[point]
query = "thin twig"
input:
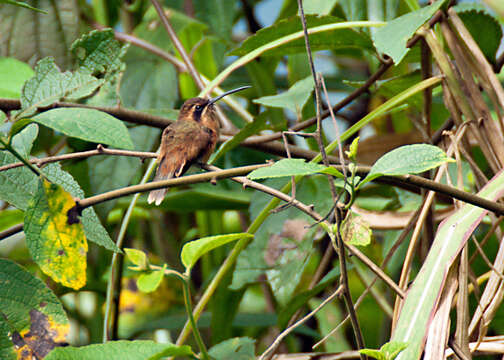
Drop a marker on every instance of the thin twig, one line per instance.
(100, 150)
(178, 45)
(287, 331)
(132, 116)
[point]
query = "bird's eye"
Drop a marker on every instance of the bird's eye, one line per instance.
(198, 107)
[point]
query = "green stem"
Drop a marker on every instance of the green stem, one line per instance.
(243, 243)
(119, 242)
(188, 306)
(13, 151)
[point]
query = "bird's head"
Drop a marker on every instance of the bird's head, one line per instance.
(202, 110)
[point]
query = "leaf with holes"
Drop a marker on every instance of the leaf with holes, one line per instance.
(50, 85)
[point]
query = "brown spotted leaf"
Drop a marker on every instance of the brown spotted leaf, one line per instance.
(32, 320)
(58, 247)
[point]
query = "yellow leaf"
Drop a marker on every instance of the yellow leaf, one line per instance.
(58, 247)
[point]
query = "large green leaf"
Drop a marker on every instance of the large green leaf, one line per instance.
(31, 316)
(123, 349)
(327, 32)
(49, 85)
(19, 185)
(87, 124)
(13, 73)
(293, 99)
(423, 295)
(30, 36)
(392, 38)
(408, 159)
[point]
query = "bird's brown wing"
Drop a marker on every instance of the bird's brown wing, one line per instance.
(182, 144)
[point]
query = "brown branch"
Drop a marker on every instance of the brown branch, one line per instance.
(132, 116)
(127, 38)
(11, 231)
(184, 180)
(100, 150)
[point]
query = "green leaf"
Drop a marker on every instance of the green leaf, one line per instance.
(218, 14)
(355, 230)
(290, 167)
(30, 315)
(123, 349)
(93, 228)
(29, 36)
(87, 124)
(149, 282)
(387, 107)
(13, 73)
(264, 84)
(98, 52)
(257, 258)
(293, 99)
(193, 250)
(23, 141)
(392, 38)
(388, 351)
(17, 185)
(318, 7)
(326, 32)
(57, 246)
(149, 83)
(408, 159)
(49, 85)
(22, 4)
(138, 258)
(241, 348)
(423, 294)
(478, 20)
(287, 255)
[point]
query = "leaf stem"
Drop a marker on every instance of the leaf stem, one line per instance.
(13, 151)
(194, 326)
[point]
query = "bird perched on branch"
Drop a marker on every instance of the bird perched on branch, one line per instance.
(189, 140)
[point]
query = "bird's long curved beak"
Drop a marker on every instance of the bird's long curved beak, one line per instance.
(217, 98)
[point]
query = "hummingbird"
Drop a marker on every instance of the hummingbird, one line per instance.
(189, 140)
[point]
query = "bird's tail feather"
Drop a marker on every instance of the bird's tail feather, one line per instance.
(158, 195)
